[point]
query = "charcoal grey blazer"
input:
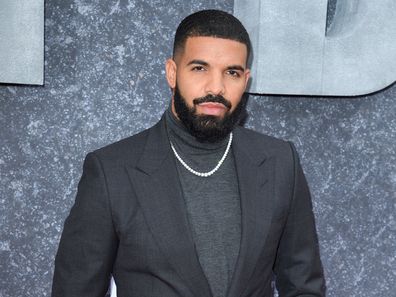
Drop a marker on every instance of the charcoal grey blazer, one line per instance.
(129, 220)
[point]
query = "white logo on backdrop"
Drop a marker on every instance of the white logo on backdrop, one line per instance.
(294, 53)
(22, 41)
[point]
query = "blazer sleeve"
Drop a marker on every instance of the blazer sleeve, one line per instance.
(298, 268)
(88, 244)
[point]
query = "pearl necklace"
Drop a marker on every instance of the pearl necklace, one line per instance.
(203, 174)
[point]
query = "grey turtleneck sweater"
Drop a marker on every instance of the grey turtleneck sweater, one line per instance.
(213, 203)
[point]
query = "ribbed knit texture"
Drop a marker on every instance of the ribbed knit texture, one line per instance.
(213, 204)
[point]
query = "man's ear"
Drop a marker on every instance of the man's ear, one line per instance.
(170, 69)
(247, 77)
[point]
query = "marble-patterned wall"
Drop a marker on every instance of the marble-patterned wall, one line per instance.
(104, 80)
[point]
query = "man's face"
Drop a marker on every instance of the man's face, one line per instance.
(210, 77)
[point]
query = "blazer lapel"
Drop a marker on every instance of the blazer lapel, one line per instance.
(159, 192)
(255, 177)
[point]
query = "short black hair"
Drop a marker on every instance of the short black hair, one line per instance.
(211, 23)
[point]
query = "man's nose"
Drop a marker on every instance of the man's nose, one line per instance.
(215, 84)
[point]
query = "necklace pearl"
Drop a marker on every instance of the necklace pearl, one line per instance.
(203, 174)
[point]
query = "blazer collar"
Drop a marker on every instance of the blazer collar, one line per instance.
(158, 148)
(255, 171)
(247, 146)
(158, 190)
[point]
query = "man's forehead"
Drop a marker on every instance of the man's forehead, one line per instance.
(204, 47)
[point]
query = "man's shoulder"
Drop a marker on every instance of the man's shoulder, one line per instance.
(258, 146)
(261, 140)
(128, 148)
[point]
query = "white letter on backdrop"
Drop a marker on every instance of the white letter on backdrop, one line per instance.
(293, 54)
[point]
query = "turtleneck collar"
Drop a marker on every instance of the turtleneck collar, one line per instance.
(180, 136)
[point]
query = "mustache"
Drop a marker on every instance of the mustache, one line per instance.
(214, 99)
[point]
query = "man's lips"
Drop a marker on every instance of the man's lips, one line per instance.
(212, 108)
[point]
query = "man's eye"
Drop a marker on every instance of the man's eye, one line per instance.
(233, 73)
(198, 68)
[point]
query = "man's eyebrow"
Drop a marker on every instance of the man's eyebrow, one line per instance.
(203, 63)
(199, 62)
(236, 67)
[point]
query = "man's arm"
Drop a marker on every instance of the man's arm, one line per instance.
(298, 267)
(88, 244)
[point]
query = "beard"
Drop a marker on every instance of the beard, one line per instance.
(209, 128)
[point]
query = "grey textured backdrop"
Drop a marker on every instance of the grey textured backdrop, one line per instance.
(104, 80)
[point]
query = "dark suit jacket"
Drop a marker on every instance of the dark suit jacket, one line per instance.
(129, 220)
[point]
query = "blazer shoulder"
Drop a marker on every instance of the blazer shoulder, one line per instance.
(270, 144)
(126, 150)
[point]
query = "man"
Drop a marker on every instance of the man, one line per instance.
(196, 205)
